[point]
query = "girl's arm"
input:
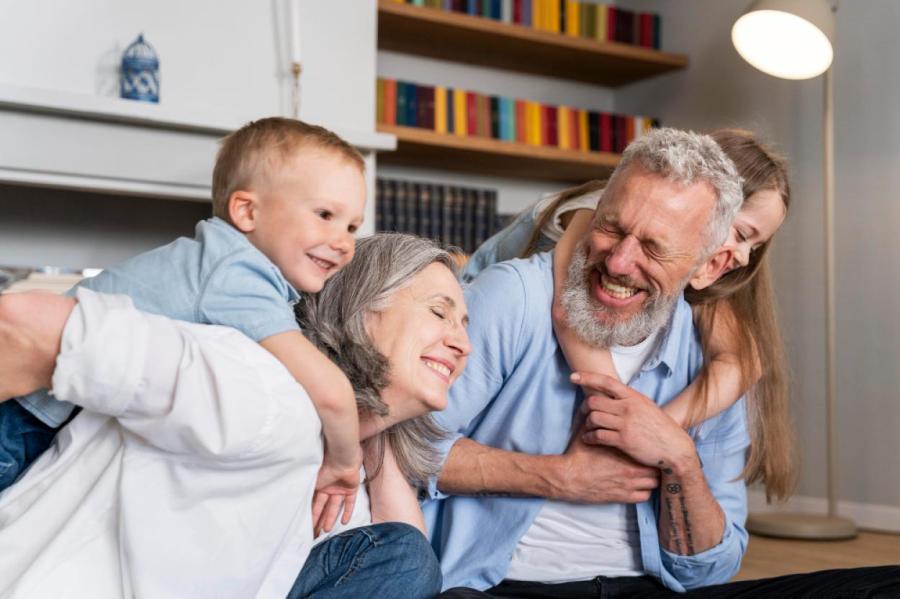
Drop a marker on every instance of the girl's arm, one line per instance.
(580, 356)
(724, 373)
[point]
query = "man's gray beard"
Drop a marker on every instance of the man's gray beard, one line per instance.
(582, 309)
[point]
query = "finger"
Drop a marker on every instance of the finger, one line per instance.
(605, 420)
(602, 403)
(602, 436)
(602, 383)
(592, 402)
(332, 510)
(318, 504)
(349, 503)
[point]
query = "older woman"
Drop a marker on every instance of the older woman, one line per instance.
(190, 470)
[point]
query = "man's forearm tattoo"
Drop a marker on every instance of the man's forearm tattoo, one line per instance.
(687, 526)
(673, 534)
(674, 524)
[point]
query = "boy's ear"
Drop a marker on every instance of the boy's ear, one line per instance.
(710, 271)
(243, 208)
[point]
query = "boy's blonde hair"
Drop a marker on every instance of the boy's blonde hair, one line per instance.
(253, 151)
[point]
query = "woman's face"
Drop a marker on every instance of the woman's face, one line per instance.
(423, 335)
(759, 219)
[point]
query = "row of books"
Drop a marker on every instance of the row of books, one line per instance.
(456, 216)
(466, 113)
(578, 18)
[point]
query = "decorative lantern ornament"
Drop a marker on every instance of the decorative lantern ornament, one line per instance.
(140, 72)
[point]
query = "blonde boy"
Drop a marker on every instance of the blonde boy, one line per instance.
(287, 200)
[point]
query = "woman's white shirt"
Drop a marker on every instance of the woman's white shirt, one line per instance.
(189, 473)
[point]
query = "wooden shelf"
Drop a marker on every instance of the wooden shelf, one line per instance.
(476, 40)
(426, 148)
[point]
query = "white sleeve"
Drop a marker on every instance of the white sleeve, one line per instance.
(186, 388)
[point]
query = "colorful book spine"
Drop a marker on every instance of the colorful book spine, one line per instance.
(452, 111)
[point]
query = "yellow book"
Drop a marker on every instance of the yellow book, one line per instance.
(440, 109)
(460, 121)
(601, 23)
(583, 142)
(533, 130)
(553, 16)
(563, 114)
(537, 14)
(573, 17)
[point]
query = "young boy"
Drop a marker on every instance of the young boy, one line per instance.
(287, 200)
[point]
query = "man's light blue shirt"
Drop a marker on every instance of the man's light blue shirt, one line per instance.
(218, 277)
(515, 395)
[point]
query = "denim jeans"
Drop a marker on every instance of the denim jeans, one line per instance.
(22, 439)
(881, 582)
(380, 561)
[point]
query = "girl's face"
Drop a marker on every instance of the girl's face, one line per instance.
(759, 219)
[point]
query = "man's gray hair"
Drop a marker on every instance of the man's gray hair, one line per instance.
(687, 157)
(335, 320)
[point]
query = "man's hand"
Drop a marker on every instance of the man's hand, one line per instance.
(593, 474)
(618, 416)
(31, 326)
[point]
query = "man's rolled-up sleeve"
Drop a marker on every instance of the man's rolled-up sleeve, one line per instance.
(722, 452)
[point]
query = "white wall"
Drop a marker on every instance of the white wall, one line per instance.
(719, 89)
(225, 60)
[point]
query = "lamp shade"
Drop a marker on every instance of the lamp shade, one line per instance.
(790, 39)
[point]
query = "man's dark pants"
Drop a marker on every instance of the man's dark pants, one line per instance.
(882, 582)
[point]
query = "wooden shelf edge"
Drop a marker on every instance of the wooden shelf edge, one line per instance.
(410, 28)
(426, 148)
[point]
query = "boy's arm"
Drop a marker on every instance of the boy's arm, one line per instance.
(726, 379)
(332, 396)
(579, 355)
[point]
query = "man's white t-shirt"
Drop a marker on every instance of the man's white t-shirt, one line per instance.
(576, 541)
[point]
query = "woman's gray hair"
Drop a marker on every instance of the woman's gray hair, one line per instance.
(687, 157)
(335, 320)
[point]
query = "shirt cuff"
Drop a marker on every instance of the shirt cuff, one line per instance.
(715, 565)
(442, 448)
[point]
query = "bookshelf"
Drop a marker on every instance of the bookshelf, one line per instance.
(482, 155)
(425, 31)
(474, 40)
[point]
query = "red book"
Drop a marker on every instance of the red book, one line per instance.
(606, 132)
(521, 135)
(517, 11)
(472, 113)
(622, 133)
(611, 24)
(484, 115)
(646, 37)
(552, 115)
(390, 101)
(425, 106)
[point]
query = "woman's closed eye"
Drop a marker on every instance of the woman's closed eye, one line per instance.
(439, 313)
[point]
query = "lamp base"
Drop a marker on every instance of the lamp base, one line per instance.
(802, 526)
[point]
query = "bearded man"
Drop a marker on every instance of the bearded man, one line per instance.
(512, 502)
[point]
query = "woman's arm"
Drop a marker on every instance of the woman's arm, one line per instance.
(391, 497)
(725, 377)
(579, 355)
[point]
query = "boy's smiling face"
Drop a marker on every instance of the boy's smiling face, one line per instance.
(305, 215)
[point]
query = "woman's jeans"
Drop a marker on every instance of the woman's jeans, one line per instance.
(381, 561)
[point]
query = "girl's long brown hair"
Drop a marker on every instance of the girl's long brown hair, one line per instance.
(745, 302)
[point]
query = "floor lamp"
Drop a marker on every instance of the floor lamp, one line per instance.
(792, 39)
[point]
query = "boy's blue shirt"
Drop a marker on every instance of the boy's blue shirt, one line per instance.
(218, 277)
